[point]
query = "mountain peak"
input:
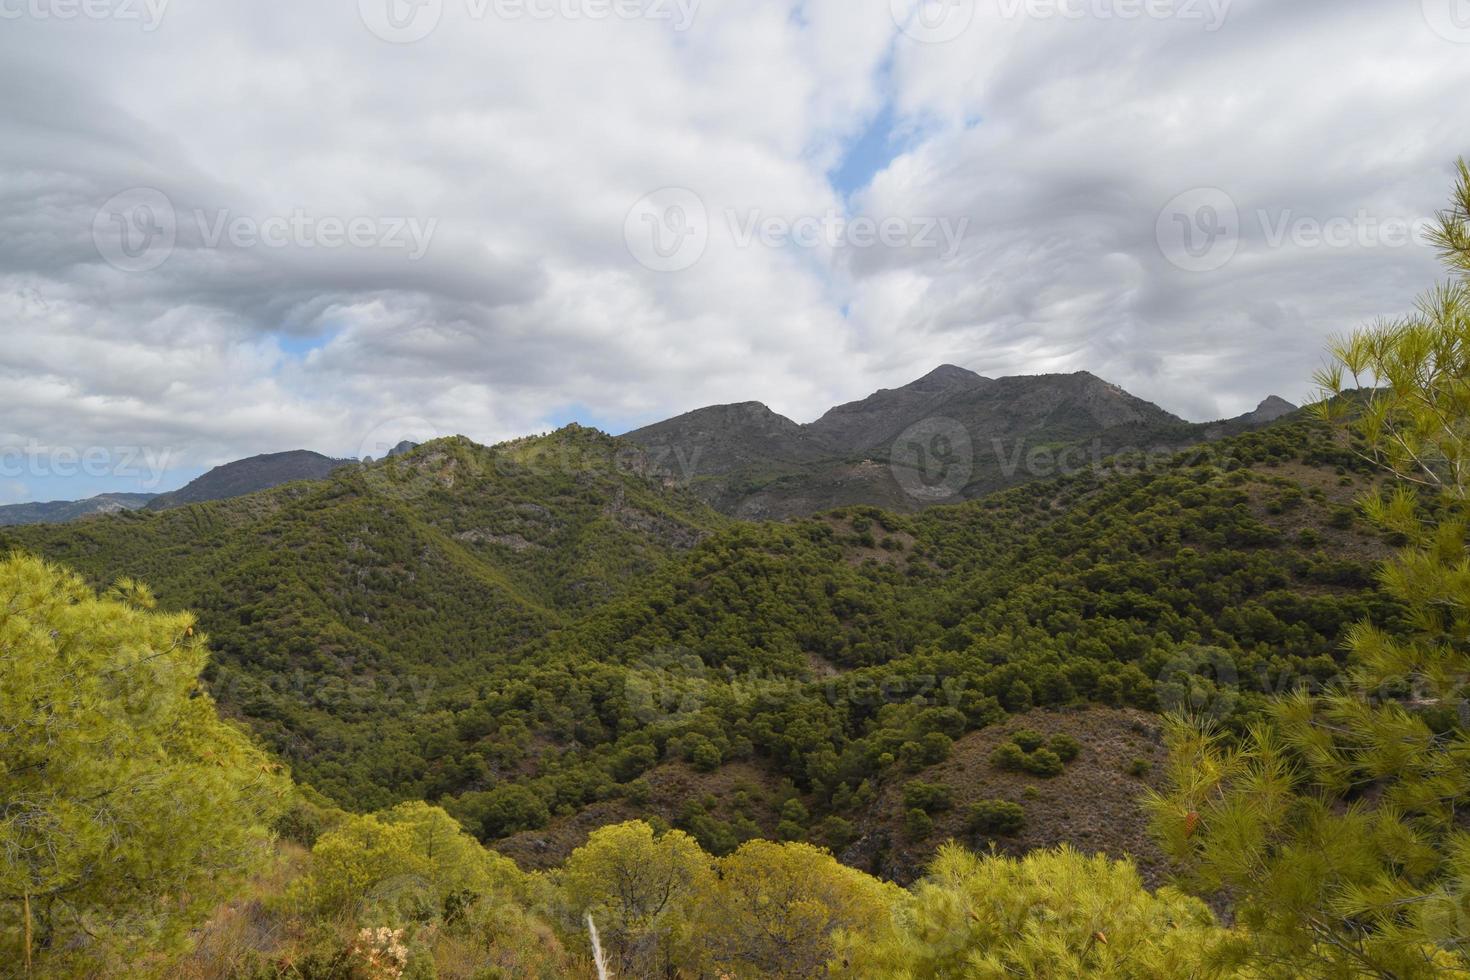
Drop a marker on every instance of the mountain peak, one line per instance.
(948, 376)
(728, 437)
(871, 421)
(1273, 408)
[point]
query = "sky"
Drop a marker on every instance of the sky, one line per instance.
(235, 228)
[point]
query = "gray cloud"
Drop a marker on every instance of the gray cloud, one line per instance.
(524, 144)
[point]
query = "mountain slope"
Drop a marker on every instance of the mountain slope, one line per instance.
(851, 651)
(724, 439)
(347, 613)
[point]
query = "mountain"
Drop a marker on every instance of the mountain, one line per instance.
(352, 616)
(858, 650)
(750, 462)
(951, 435)
(221, 483)
(249, 475)
(1273, 408)
(60, 511)
(726, 439)
(879, 418)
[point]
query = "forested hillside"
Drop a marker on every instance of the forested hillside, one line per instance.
(846, 652)
(527, 631)
(863, 682)
(350, 617)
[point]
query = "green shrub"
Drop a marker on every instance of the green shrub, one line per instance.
(1066, 747)
(1028, 740)
(996, 817)
(1044, 763)
(929, 797)
(936, 747)
(837, 833)
(1009, 757)
(918, 825)
(703, 754)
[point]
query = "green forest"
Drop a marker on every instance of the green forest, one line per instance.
(530, 711)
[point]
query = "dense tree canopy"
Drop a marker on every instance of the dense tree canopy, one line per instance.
(125, 803)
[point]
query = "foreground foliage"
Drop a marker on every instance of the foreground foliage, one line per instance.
(1049, 914)
(1337, 826)
(662, 907)
(125, 803)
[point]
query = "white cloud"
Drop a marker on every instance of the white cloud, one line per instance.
(528, 141)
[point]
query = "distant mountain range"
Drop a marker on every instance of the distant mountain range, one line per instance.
(221, 483)
(62, 511)
(951, 435)
(249, 475)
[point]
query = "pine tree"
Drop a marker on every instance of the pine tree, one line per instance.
(126, 805)
(1338, 825)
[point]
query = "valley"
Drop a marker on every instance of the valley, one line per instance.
(530, 634)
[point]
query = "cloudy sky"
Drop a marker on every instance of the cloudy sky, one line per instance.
(230, 228)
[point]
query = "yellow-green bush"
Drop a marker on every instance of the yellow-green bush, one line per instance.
(1049, 914)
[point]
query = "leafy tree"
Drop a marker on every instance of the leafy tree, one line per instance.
(411, 861)
(1337, 824)
(504, 810)
(126, 805)
(637, 887)
(1049, 914)
(777, 910)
